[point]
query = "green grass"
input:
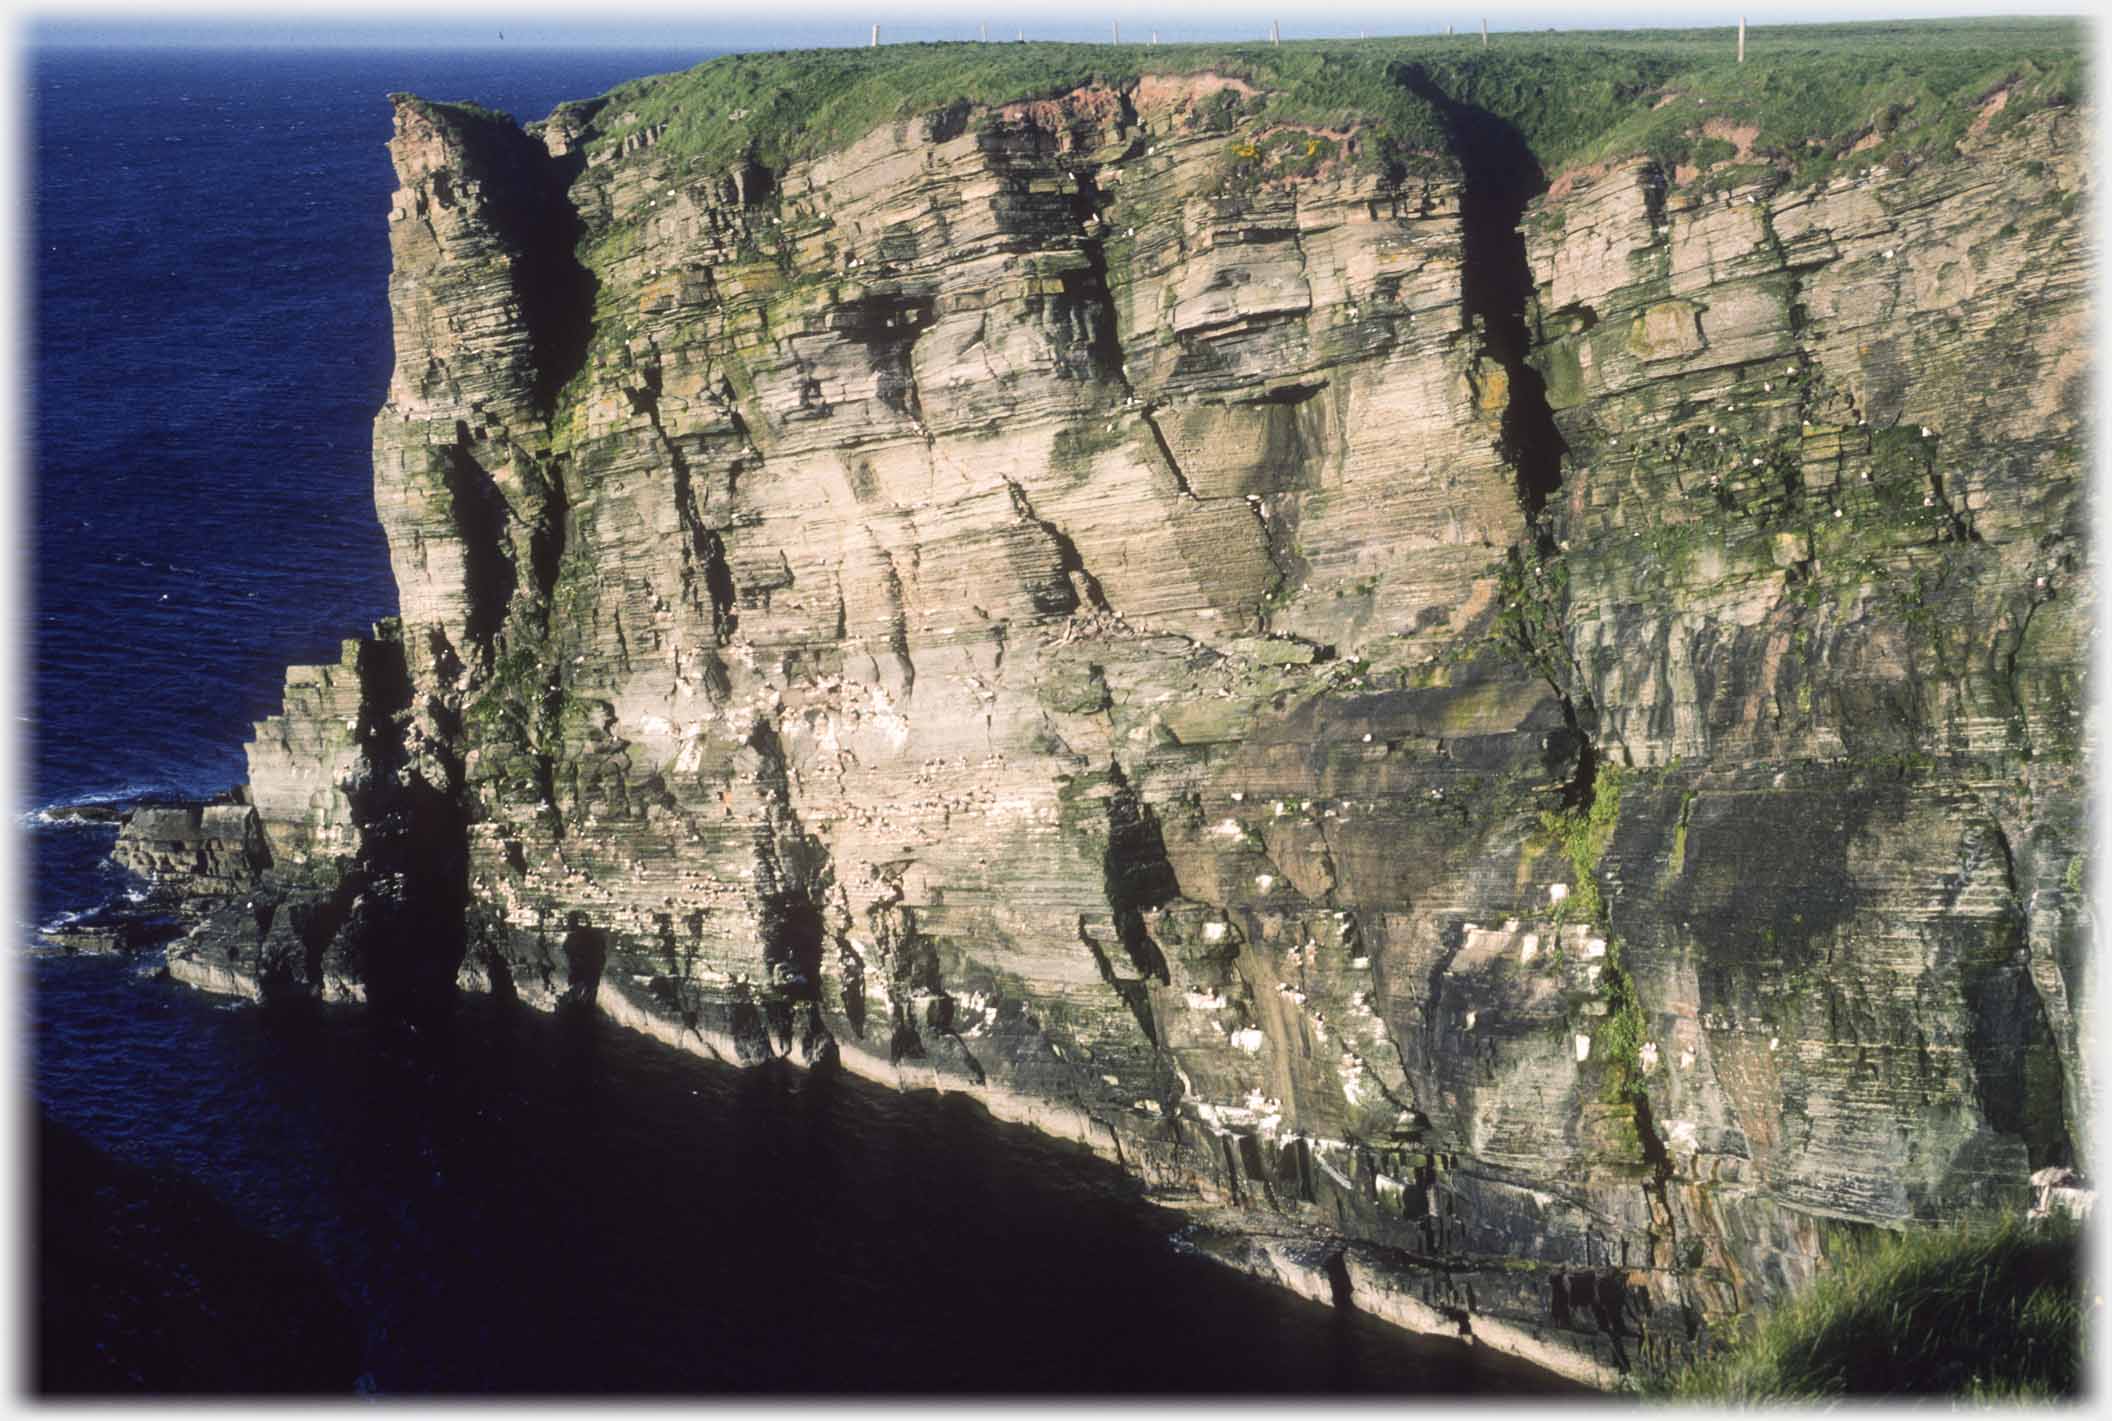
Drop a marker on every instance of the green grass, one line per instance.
(1813, 91)
(1618, 1042)
(777, 108)
(1990, 1311)
(1810, 90)
(464, 108)
(1583, 835)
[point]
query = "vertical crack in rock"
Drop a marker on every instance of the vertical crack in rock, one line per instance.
(1133, 991)
(1501, 175)
(1138, 875)
(516, 198)
(1451, 940)
(704, 549)
(1279, 589)
(921, 1008)
(401, 907)
(2017, 1069)
(852, 967)
(479, 512)
(1091, 292)
(1409, 1110)
(792, 879)
(1296, 442)
(1276, 510)
(527, 205)
(898, 616)
(2011, 682)
(1079, 584)
(548, 536)
(556, 292)
(1173, 465)
(681, 960)
(888, 325)
(586, 953)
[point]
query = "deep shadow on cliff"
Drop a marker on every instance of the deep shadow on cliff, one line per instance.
(1500, 176)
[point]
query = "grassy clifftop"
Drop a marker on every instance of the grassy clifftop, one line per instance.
(1810, 92)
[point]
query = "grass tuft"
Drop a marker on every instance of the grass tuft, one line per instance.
(1582, 835)
(1988, 1311)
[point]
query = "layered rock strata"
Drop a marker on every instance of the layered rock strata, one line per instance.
(193, 850)
(1045, 603)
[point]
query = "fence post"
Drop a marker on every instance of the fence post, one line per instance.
(1275, 37)
(1741, 39)
(876, 37)
(1118, 32)
(1484, 34)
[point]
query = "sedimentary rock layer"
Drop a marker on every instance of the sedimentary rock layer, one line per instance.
(1521, 814)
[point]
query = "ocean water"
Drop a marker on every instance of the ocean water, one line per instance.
(209, 341)
(506, 1202)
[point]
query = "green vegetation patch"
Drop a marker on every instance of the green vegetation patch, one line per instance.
(1582, 835)
(1991, 1310)
(1809, 92)
(1813, 98)
(1618, 1042)
(773, 109)
(1531, 593)
(464, 109)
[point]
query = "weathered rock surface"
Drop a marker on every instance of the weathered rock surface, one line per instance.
(1039, 604)
(193, 850)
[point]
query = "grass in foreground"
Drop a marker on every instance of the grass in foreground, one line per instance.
(1992, 1311)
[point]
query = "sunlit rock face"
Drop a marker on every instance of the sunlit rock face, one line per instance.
(1041, 603)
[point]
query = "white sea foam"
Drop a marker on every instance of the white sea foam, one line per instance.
(123, 797)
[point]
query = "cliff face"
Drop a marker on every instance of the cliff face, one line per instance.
(1516, 780)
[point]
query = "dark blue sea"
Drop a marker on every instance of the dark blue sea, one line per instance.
(227, 1199)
